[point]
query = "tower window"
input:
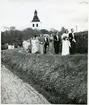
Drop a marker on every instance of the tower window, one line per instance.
(36, 25)
(33, 25)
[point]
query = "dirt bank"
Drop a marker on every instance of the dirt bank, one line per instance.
(15, 91)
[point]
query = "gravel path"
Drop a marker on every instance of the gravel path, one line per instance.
(15, 91)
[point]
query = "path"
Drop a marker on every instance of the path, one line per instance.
(15, 91)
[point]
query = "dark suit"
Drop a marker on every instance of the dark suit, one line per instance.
(73, 44)
(56, 44)
(46, 44)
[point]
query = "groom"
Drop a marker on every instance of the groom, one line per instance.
(72, 42)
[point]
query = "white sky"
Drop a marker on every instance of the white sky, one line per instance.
(52, 13)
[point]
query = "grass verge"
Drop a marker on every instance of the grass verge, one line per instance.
(61, 79)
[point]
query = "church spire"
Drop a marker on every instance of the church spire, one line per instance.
(35, 13)
(35, 18)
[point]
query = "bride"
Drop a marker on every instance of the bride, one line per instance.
(34, 45)
(65, 43)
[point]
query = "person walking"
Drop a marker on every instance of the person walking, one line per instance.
(46, 44)
(65, 43)
(56, 43)
(51, 44)
(37, 44)
(41, 44)
(34, 45)
(25, 45)
(72, 40)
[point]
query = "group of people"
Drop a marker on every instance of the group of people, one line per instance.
(51, 44)
(68, 42)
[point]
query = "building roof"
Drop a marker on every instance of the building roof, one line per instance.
(35, 18)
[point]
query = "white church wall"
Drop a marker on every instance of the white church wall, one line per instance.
(35, 25)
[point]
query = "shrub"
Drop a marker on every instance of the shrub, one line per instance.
(82, 42)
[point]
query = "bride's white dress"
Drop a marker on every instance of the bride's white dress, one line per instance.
(65, 44)
(34, 46)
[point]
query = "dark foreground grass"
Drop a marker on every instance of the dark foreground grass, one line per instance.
(61, 79)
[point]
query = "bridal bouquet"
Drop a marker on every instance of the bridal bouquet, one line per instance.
(65, 38)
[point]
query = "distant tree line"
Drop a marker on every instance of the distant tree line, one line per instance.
(13, 36)
(16, 37)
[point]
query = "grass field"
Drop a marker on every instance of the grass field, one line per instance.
(61, 79)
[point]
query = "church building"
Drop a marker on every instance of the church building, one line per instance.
(35, 23)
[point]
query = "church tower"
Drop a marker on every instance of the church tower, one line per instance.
(35, 23)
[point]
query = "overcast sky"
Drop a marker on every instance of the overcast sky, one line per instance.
(52, 13)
